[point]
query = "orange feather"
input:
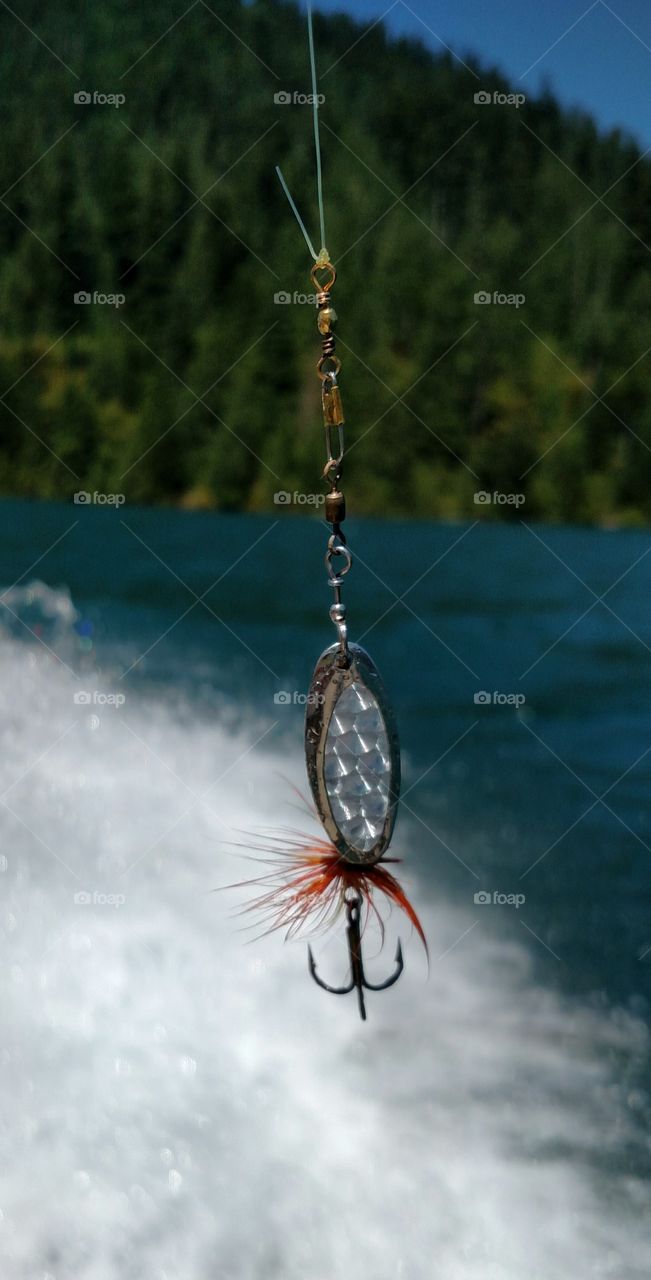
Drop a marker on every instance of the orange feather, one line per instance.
(304, 891)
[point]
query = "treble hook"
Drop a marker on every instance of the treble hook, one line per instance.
(358, 979)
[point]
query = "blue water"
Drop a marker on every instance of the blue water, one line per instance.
(496, 605)
(533, 1021)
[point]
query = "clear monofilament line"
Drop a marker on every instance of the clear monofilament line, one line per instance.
(315, 117)
(323, 256)
(296, 214)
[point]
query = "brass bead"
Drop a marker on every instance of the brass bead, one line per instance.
(335, 507)
(326, 318)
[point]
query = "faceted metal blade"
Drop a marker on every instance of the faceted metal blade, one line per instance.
(357, 767)
(352, 753)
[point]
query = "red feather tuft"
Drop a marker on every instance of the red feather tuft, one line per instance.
(305, 889)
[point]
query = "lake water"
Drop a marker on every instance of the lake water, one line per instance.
(179, 1103)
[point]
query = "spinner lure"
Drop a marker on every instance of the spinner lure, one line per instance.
(351, 741)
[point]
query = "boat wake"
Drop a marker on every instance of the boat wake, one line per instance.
(180, 1104)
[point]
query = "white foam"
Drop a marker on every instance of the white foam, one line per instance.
(180, 1105)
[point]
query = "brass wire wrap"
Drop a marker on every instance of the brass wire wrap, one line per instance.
(328, 283)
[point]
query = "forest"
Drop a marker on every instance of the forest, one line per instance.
(156, 335)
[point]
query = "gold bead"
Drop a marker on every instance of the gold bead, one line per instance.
(325, 319)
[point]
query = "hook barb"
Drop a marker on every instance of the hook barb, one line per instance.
(400, 964)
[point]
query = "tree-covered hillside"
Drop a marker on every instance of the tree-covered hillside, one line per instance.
(200, 388)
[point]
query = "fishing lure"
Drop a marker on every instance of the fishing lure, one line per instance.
(351, 740)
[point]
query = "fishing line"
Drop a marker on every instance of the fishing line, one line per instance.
(322, 257)
(313, 253)
(315, 120)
